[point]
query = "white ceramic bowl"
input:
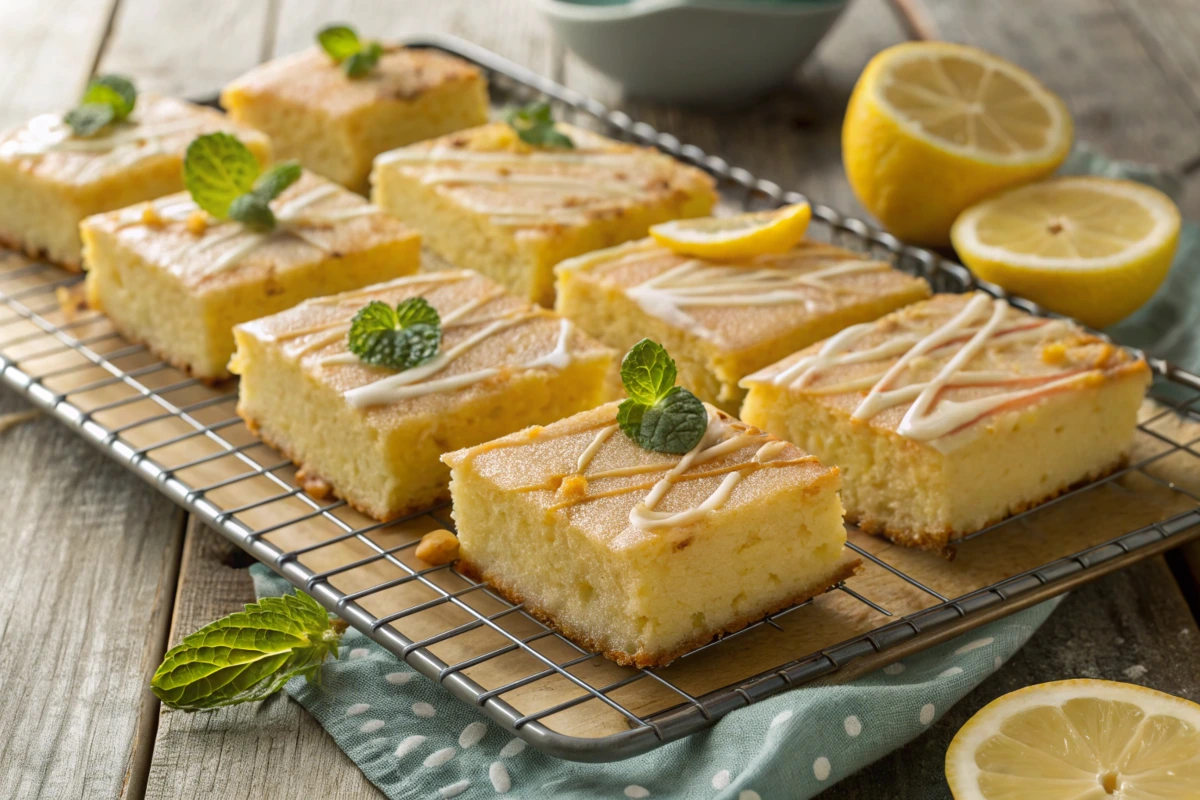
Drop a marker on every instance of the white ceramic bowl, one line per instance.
(694, 51)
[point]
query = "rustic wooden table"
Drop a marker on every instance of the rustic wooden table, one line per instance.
(103, 574)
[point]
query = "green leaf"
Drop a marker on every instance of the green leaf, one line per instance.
(399, 338)
(89, 118)
(277, 179)
(253, 211)
(647, 372)
(534, 125)
(339, 41)
(658, 414)
(114, 90)
(675, 424)
(362, 62)
(248, 655)
(218, 169)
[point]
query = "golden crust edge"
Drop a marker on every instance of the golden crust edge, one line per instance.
(846, 569)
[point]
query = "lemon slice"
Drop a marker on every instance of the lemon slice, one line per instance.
(1093, 248)
(934, 127)
(742, 236)
(1078, 740)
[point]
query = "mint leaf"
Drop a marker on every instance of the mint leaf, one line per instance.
(534, 125)
(114, 90)
(342, 44)
(675, 424)
(277, 179)
(364, 60)
(339, 41)
(107, 99)
(253, 211)
(218, 169)
(89, 118)
(399, 338)
(647, 372)
(248, 655)
(658, 415)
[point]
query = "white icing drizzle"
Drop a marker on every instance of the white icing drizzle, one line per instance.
(501, 159)
(711, 446)
(585, 458)
(545, 181)
(930, 417)
(126, 145)
(698, 283)
(414, 382)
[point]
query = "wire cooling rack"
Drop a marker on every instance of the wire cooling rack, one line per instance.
(185, 438)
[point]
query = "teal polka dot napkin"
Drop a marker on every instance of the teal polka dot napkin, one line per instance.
(412, 738)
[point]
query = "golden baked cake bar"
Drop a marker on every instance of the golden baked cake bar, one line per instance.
(723, 320)
(645, 555)
(952, 414)
(335, 125)
(487, 200)
(51, 179)
(372, 434)
(169, 275)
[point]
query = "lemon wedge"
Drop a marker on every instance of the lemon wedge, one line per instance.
(1078, 740)
(933, 127)
(1093, 248)
(741, 236)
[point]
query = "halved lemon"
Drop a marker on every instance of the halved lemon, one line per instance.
(741, 236)
(934, 127)
(1093, 248)
(1078, 740)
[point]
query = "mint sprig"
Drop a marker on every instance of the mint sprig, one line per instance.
(248, 655)
(534, 125)
(400, 337)
(658, 415)
(226, 180)
(342, 44)
(107, 99)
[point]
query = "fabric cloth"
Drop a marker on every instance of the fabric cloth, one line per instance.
(412, 738)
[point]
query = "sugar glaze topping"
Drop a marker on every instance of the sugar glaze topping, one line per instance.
(981, 323)
(720, 439)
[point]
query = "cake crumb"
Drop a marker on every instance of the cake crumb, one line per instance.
(151, 217)
(438, 547)
(315, 487)
(197, 223)
(71, 301)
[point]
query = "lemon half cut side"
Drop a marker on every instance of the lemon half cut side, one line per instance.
(1092, 248)
(934, 127)
(1078, 740)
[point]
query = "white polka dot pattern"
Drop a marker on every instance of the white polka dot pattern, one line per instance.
(927, 712)
(471, 735)
(721, 780)
(748, 794)
(454, 789)
(894, 669)
(513, 748)
(950, 673)
(975, 645)
(439, 757)
(780, 718)
(821, 769)
(357, 708)
(498, 774)
(852, 725)
(398, 678)
(424, 710)
(360, 652)
(635, 792)
(371, 725)
(408, 745)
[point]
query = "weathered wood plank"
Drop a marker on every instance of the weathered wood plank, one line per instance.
(272, 749)
(1131, 626)
(49, 48)
(186, 49)
(91, 558)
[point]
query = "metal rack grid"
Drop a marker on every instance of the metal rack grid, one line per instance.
(136, 408)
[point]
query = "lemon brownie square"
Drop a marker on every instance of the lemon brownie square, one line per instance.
(951, 414)
(335, 125)
(373, 434)
(50, 179)
(169, 275)
(489, 201)
(723, 320)
(645, 555)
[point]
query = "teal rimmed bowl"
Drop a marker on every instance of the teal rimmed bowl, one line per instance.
(723, 52)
